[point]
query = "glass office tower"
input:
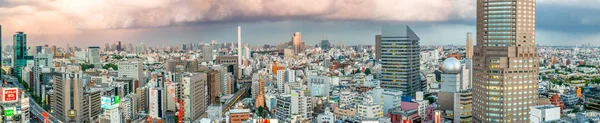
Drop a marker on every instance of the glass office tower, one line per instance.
(20, 52)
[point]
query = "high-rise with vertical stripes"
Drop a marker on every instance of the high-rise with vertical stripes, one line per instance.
(505, 61)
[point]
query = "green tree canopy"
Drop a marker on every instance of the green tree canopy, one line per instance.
(111, 65)
(86, 66)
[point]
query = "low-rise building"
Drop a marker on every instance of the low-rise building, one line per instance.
(398, 115)
(239, 115)
(570, 99)
(369, 110)
(344, 112)
(592, 98)
(544, 113)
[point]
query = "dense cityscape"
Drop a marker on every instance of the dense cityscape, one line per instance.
(501, 73)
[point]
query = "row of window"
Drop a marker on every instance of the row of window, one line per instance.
(500, 20)
(501, 16)
(500, 11)
(499, 24)
(520, 66)
(501, 37)
(500, 7)
(498, 3)
(497, 45)
(509, 82)
(506, 88)
(500, 28)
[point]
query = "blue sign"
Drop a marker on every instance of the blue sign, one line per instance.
(406, 98)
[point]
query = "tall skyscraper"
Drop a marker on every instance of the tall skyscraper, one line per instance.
(119, 46)
(377, 47)
(214, 86)
(239, 48)
(207, 53)
(40, 61)
(297, 42)
(260, 98)
(325, 45)
(195, 95)
(400, 60)
(505, 61)
(469, 47)
(72, 100)
(1, 77)
(20, 52)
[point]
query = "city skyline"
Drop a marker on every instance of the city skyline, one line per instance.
(309, 61)
(86, 23)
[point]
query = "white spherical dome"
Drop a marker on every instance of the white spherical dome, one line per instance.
(451, 65)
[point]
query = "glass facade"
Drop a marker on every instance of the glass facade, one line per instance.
(20, 52)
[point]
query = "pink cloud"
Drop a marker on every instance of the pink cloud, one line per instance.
(70, 17)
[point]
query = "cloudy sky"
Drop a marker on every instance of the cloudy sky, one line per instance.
(171, 22)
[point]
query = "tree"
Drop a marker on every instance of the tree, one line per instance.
(111, 65)
(431, 100)
(86, 66)
(368, 71)
(596, 80)
(260, 111)
(560, 82)
(117, 57)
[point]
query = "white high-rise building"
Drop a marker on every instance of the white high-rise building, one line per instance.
(207, 53)
(156, 103)
(94, 56)
(280, 80)
(42, 63)
(239, 47)
(195, 95)
(133, 70)
(290, 76)
(128, 107)
(455, 96)
(246, 52)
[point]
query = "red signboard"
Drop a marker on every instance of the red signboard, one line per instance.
(10, 94)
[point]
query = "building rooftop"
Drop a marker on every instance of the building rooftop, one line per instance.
(542, 107)
(235, 111)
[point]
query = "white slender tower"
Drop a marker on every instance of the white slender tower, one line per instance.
(239, 46)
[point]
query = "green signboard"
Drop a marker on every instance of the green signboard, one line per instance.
(9, 113)
(117, 100)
